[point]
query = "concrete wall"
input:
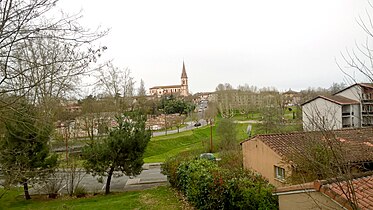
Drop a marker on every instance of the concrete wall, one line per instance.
(357, 115)
(321, 112)
(306, 201)
(353, 93)
(260, 158)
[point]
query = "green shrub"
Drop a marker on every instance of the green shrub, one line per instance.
(208, 186)
(231, 159)
(170, 166)
(196, 181)
(80, 192)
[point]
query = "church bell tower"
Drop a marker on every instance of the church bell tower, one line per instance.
(184, 82)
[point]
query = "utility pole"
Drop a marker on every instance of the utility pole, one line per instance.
(66, 140)
(165, 123)
(211, 146)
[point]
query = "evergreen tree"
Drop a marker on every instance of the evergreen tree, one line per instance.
(24, 152)
(122, 150)
(141, 91)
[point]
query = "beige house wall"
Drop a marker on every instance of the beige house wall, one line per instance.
(321, 113)
(306, 201)
(259, 157)
(163, 91)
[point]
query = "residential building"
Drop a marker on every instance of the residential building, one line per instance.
(181, 89)
(271, 155)
(204, 96)
(351, 107)
(291, 98)
(328, 194)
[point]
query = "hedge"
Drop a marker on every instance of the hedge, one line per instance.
(207, 186)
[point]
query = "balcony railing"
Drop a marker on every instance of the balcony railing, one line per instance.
(366, 113)
(347, 113)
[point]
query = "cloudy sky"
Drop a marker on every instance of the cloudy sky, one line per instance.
(283, 44)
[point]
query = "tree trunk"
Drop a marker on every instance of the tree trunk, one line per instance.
(25, 189)
(110, 174)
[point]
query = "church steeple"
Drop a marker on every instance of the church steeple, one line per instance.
(184, 82)
(183, 73)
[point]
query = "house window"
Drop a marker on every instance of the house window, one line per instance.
(279, 173)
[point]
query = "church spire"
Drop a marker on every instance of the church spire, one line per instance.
(183, 73)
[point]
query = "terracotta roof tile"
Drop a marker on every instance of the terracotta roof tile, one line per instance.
(362, 188)
(334, 99)
(166, 86)
(340, 100)
(339, 191)
(367, 85)
(355, 143)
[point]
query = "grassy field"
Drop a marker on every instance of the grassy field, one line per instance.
(157, 198)
(161, 147)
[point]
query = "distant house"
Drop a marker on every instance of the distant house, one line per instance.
(327, 194)
(181, 89)
(351, 107)
(271, 155)
(291, 98)
(209, 96)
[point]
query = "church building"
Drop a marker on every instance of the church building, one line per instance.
(173, 89)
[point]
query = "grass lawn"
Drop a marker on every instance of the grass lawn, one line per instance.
(157, 198)
(250, 116)
(162, 147)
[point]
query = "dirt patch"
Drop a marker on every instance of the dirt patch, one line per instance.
(185, 204)
(147, 199)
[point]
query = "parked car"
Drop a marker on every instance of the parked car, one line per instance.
(208, 156)
(197, 124)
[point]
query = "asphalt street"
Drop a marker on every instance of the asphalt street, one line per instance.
(150, 176)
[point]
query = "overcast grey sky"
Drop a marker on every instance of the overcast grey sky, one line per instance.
(283, 44)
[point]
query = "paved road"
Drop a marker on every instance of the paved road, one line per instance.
(190, 126)
(151, 176)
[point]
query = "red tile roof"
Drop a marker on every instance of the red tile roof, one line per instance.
(335, 99)
(340, 191)
(340, 100)
(166, 86)
(356, 144)
(343, 192)
(367, 85)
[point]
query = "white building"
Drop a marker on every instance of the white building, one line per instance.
(181, 89)
(351, 107)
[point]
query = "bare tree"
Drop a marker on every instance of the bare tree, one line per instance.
(115, 81)
(326, 156)
(36, 49)
(225, 100)
(360, 59)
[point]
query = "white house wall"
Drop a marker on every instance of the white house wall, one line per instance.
(354, 93)
(321, 113)
(356, 115)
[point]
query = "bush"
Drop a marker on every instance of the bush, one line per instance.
(195, 181)
(80, 192)
(207, 186)
(170, 166)
(231, 159)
